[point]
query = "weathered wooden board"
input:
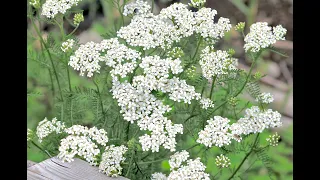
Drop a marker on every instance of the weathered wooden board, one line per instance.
(54, 169)
(30, 163)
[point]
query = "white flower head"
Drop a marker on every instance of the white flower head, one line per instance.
(279, 32)
(207, 28)
(46, 127)
(84, 142)
(197, 3)
(178, 158)
(86, 58)
(261, 36)
(256, 120)
(158, 176)
(215, 132)
(222, 161)
(67, 45)
(118, 56)
(139, 7)
(181, 18)
(52, 7)
(206, 103)
(112, 159)
(193, 170)
(265, 98)
(216, 63)
(78, 145)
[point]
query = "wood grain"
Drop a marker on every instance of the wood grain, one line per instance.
(54, 169)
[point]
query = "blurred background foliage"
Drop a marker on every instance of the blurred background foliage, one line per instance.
(100, 20)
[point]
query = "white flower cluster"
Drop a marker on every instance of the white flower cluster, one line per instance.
(197, 3)
(99, 135)
(117, 56)
(273, 139)
(261, 36)
(78, 145)
(180, 90)
(177, 159)
(173, 23)
(256, 120)
(265, 98)
(206, 103)
(193, 169)
(158, 176)
(159, 68)
(216, 132)
(46, 127)
(156, 72)
(122, 59)
(222, 161)
(138, 105)
(82, 141)
(52, 7)
(147, 31)
(112, 159)
(86, 58)
(67, 45)
(205, 25)
(279, 32)
(219, 132)
(181, 18)
(216, 63)
(138, 7)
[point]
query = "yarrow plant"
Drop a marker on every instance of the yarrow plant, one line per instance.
(161, 87)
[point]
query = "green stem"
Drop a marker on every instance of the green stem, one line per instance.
(216, 173)
(234, 111)
(51, 80)
(60, 27)
(52, 86)
(195, 54)
(152, 6)
(195, 145)
(244, 84)
(69, 81)
(127, 131)
(36, 145)
(130, 164)
(68, 75)
(71, 115)
(149, 162)
(74, 30)
(244, 159)
(100, 99)
(191, 117)
(249, 74)
(212, 86)
(51, 60)
(277, 52)
(198, 46)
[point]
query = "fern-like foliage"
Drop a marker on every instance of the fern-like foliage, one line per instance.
(266, 161)
(253, 88)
